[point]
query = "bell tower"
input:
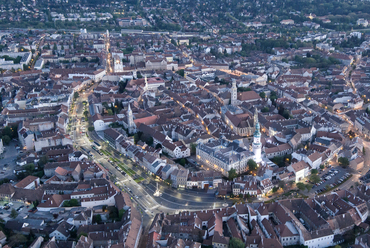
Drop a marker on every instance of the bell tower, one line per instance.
(130, 120)
(234, 93)
(257, 145)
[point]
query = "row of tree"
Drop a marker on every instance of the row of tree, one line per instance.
(252, 167)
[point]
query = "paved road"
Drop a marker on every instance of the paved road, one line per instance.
(359, 171)
(170, 201)
(170, 198)
(9, 156)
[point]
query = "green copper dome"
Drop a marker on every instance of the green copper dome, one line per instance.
(257, 132)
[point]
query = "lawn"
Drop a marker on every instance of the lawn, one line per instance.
(140, 179)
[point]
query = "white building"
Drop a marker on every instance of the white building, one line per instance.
(39, 64)
(118, 66)
(234, 94)
(300, 169)
(1, 146)
(222, 156)
(257, 145)
(362, 22)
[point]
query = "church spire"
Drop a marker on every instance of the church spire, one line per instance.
(257, 132)
(146, 84)
(130, 120)
(234, 92)
(257, 145)
(255, 116)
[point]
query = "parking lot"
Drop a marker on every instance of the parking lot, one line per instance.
(6, 208)
(7, 161)
(330, 177)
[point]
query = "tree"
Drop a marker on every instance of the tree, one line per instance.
(273, 96)
(43, 160)
(232, 174)
(136, 138)
(193, 148)
(301, 186)
(29, 168)
(169, 181)
(121, 213)
(7, 131)
(343, 161)
(243, 89)
(149, 141)
(17, 240)
(281, 184)
(265, 109)
(322, 166)
(71, 203)
(122, 86)
(314, 171)
(113, 212)
(86, 113)
(308, 186)
(6, 139)
(363, 150)
(158, 146)
(291, 183)
(76, 95)
(252, 165)
(105, 105)
(275, 189)
(262, 95)
(236, 243)
(109, 112)
(314, 178)
(181, 72)
(182, 162)
(91, 129)
(13, 214)
(97, 219)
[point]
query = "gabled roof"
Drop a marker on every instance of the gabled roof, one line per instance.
(26, 181)
(301, 165)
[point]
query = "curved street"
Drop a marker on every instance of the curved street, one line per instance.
(170, 201)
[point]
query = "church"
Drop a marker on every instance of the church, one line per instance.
(222, 155)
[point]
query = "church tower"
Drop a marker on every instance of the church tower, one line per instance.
(130, 120)
(234, 93)
(118, 66)
(255, 117)
(146, 88)
(257, 145)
